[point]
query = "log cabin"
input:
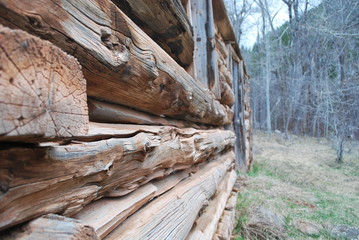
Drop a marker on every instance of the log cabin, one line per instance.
(120, 119)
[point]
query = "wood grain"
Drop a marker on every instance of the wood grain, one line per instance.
(172, 215)
(106, 214)
(54, 227)
(228, 219)
(113, 161)
(120, 62)
(104, 112)
(42, 89)
(206, 224)
(165, 22)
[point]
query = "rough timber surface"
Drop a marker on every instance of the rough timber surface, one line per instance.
(227, 221)
(42, 89)
(165, 22)
(106, 214)
(53, 227)
(172, 215)
(113, 160)
(120, 62)
(104, 112)
(206, 223)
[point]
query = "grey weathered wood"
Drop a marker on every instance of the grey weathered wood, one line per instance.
(63, 177)
(42, 89)
(213, 78)
(172, 215)
(200, 55)
(165, 22)
(224, 25)
(120, 62)
(228, 221)
(206, 224)
(54, 227)
(106, 214)
(236, 119)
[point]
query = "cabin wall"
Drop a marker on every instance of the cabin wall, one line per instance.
(120, 119)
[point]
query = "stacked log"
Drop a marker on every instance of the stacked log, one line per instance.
(104, 133)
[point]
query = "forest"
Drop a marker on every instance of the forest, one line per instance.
(305, 71)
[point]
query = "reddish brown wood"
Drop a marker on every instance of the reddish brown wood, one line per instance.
(54, 178)
(121, 63)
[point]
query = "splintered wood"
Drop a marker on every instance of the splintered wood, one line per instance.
(54, 227)
(112, 167)
(172, 215)
(42, 89)
(159, 158)
(121, 63)
(171, 28)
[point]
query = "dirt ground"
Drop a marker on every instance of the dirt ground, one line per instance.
(298, 179)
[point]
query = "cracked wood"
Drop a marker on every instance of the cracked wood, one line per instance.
(172, 215)
(42, 89)
(121, 63)
(52, 226)
(166, 22)
(64, 177)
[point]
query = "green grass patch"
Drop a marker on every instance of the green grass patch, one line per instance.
(301, 181)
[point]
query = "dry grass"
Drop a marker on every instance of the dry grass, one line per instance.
(299, 179)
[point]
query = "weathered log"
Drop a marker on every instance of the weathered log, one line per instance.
(100, 111)
(54, 227)
(165, 184)
(106, 214)
(206, 224)
(220, 45)
(172, 215)
(228, 221)
(224, 25)
(120, 62)
(226, 75)
(227, 95)
(54, 178)
(165, 22)
(42, 89)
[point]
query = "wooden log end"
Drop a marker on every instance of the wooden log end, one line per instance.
(52, 226)
(42, 89)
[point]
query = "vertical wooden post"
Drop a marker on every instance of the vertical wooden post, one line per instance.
(229, 58)
(199, 19)
(236, 120)
(213, 79)
(242, 109)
